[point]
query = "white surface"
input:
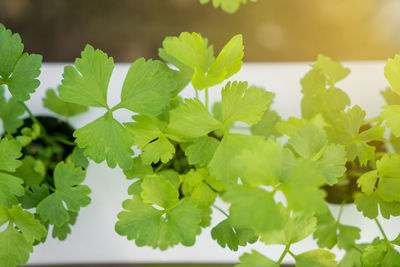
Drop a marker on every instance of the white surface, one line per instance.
(93, 239)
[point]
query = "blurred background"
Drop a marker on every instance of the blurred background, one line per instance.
(273, 30)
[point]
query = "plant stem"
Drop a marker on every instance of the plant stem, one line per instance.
(381, 229)
(159, 167)
(34, 119)
(63, 141)
(292, 254)
(206, 95)
(196, 93)
(283, 255)
(115, 108)
(221, 210)
(340, 211)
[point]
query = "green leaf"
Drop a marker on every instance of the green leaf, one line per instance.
(78, 157)
(34, 196)
(391, 114)
(225, 235)
(241, 103)
(390, 96)
(368, 205)
(352, 258)
(262, 163)
(396, 241)
(87, 83)
(223, 164)
(10, 188)
(201, 150)
(30, 227)
(144, 223)
(161, 149)
(157, 190)
(67, 179)
(389, 179)
(106, 139)
(326, 232)
(392, 257)
(11, 49)
(10, 112)
(301, 188)
(374, 253)
(14, 248)
(61, 232)
(367, 182)
(245, 213)
(28, 171)
(317, 258)
(147, 88)
(227, 63)
(308, 141)
(347, 236)
(267, 125)
(139, 169)
(191, 120)
(333, 71)
(296, 227)
(332, 163)
(55, 104)
(10, 151)
(140, 222)
(23, 80)
(255, 259)
(392, 73)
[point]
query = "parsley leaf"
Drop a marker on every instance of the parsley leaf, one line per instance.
(10, 112)
(391, 114)
(106, 139)
(201, 150)
(67, 180)
(241, 103)
(10, 51)
(147, 88)
(191, 120)
(255, 259)
(318, 257)
(392, 73)
(87, 83)
(55, 104)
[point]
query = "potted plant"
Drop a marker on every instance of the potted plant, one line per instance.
(190, 156)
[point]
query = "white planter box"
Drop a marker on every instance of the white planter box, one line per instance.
(93, 239)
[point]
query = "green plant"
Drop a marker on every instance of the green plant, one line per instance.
(190, 157)
(229, 6)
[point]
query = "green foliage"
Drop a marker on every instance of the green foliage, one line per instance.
(229, 6)
(55, 104)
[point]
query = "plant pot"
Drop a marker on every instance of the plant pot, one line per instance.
(93, 239)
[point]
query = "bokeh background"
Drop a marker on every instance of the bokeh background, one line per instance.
(273, 30)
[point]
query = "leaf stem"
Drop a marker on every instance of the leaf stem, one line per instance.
(196, 93)
(43, 131)
(115, 108)
(381, 229)
(63, 141)
(206, 96)
(292, 254)
(340, 211)
(283, 254)
(221, 210)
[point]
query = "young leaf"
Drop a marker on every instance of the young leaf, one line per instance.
(201, 150)
(10, 112)
(10, 151)
(318, 257)
(147, 88)
(241, 103)
(159, 191)
(67, 180)
(87, 83)
(55, 104)
(14, 248)
(10, 51)
(391, 114)
(144, 223)
(106, 139)
(296, 227)
(333, 71)
(255, 259)
(301, 188)
(191, 120)
(392, 73)
(245, 213)
(388, 168)
(227, 63)
(61, 232)
(223, 164)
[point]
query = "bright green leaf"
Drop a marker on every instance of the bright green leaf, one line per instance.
(87, 83)
(139, 169)
(106, 139)
(157, 190)
(10, 112)
(201, 150)
(392, 114)
(55, 104)
(317, 258)
(11, 49)
(255, 259)
(10, 151)
(392, 73)
(14, 248)
(333, 71)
